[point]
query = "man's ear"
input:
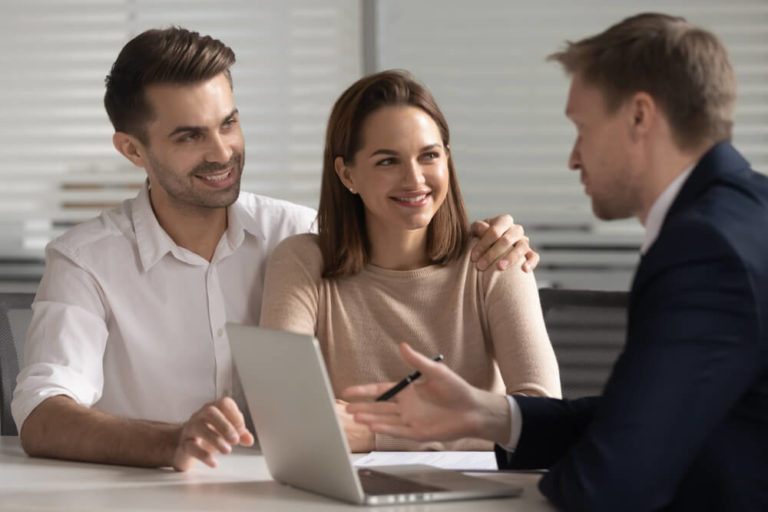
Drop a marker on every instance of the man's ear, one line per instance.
(342, 171)
(130, 147)
(642, 115)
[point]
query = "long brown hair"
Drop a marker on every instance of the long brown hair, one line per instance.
(344, 241)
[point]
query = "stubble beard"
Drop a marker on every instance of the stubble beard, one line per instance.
(181, 191)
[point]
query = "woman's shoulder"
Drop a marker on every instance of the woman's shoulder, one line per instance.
(301, 242)
(492, 275)
(303, 249)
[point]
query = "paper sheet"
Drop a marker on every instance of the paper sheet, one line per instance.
(444, 460)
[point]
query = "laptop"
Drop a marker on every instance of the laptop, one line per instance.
(292, 404)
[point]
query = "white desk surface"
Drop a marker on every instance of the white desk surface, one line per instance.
(241, 482)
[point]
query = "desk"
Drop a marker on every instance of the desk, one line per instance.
(241, 482)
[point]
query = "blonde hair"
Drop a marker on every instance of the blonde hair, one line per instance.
(684, 68)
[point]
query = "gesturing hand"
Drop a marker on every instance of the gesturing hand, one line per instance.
(440, 406)
(216, 427)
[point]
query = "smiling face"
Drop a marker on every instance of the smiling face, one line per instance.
(195, 152)
(401, 171)
(603, 152)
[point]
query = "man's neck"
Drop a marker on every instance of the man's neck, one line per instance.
(664, 166)
(195, 229)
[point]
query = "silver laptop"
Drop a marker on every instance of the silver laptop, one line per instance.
(292, 405)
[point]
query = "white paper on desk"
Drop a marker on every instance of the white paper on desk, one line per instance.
(444, 460)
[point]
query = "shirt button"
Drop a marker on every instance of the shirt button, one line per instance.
(220, 332)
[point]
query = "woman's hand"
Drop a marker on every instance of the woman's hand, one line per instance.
(359, 437)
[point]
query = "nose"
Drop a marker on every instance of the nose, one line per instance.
(219, 149)
(413, 174)
(574, 160)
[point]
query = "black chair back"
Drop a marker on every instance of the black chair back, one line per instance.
(587, 329)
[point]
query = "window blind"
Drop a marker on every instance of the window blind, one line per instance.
(485, 63)
(57, 162)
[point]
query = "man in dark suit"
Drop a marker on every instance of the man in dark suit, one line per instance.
(683, 421)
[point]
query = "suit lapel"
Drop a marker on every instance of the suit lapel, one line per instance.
(721, 160)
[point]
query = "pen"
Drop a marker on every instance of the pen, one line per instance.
(400, 385)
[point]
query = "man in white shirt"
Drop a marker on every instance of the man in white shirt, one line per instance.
(683, 421)
(127, 360)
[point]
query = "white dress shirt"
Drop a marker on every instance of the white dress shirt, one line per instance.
(653, 223)
(129, 323)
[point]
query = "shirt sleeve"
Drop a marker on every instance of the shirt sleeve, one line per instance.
(66, 339)
(518, 335)
(515, 424)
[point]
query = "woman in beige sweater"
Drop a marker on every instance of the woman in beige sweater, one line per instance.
(392, 263)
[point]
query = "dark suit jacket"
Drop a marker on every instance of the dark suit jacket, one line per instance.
(683, 421)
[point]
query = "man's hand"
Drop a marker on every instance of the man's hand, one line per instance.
(216, 427)
(359, 437)
(440, 406)
(504, 242)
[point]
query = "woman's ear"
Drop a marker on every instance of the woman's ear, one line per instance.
(342, 171)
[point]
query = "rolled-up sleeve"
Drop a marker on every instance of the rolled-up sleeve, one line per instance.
(64, 349)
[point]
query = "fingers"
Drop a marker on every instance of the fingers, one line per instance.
(531, 260)
(199, 449)
(367, 390)
(392, 425)
(216, 427)
(419, 361)
(502, 242)
(236, 419)
(384, 408)
(489, 231)
(516, 255)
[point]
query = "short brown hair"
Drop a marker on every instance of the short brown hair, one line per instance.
(173, 56)
(684, 68)
(344, 240)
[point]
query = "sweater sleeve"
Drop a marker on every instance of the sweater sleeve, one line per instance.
(291, 286)
(518, 336)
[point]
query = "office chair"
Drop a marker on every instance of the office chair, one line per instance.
(587, 329)
(15, 314)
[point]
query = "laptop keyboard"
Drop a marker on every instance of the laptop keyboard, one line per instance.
(377, 483)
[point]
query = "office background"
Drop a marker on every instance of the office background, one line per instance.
(483, 59)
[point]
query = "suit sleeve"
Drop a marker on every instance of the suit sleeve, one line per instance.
(692, 351)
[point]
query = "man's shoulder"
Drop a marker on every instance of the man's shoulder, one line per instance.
(256, 205)
(270, 215)
(110, 228)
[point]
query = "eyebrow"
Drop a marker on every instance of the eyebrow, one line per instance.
(199, 129)
(392, 152)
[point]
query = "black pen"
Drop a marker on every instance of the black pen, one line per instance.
(401, 385)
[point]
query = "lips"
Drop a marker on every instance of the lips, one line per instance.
(413, 199)
(219, 179)
(217, 176)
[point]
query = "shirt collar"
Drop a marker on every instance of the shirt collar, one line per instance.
(151, 239)
(660, 208)
(153, 242)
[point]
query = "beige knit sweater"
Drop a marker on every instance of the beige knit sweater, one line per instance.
(475, 319)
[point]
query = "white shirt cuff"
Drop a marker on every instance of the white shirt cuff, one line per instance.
(515, 424)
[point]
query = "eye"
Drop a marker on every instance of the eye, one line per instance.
(190, 137)
(386, 162)
(229, 123)
(431, 155)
